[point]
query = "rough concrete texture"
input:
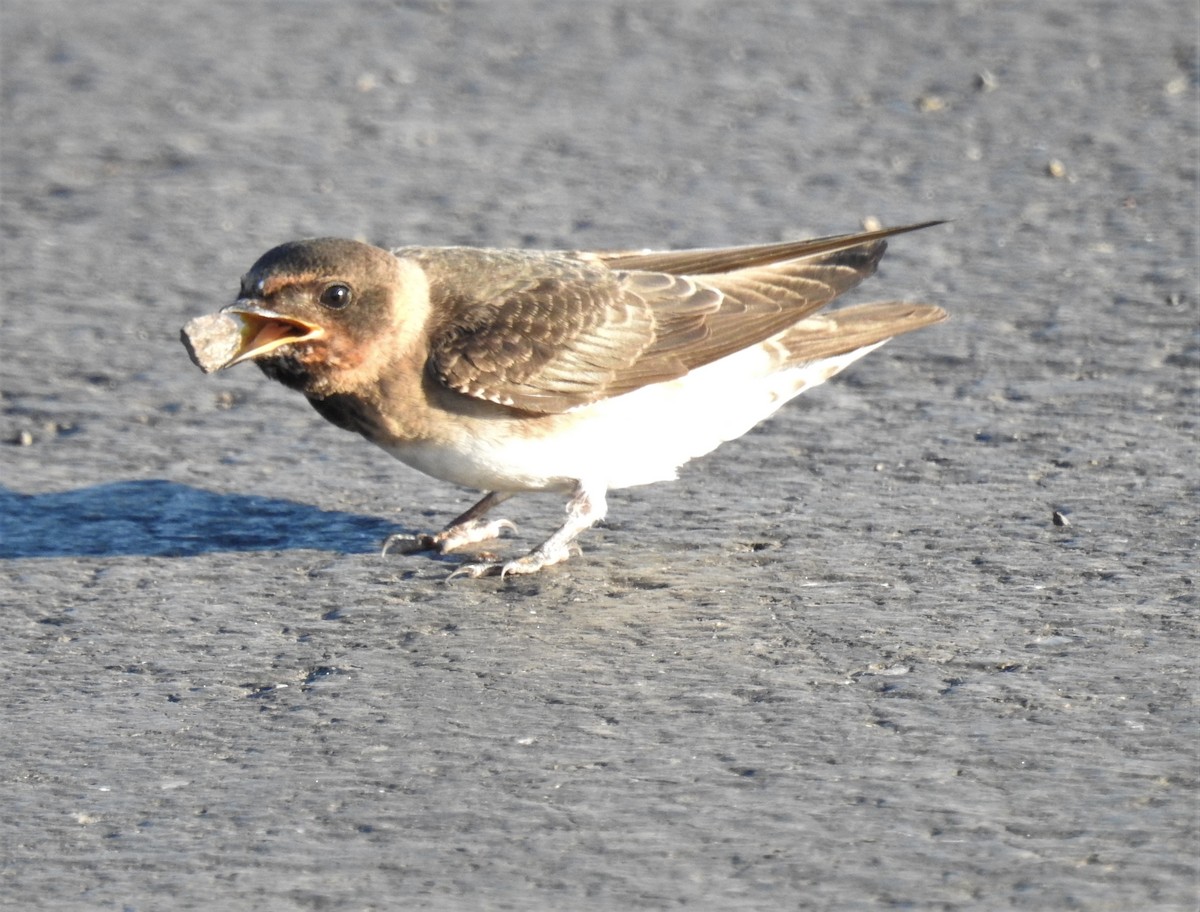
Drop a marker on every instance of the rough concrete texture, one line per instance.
(847, 662)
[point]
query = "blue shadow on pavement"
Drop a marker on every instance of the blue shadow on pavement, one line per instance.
(163, 518)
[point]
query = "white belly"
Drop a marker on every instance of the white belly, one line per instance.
(635, 439)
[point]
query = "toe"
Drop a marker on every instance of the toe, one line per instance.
(475, 571)
(472, 533)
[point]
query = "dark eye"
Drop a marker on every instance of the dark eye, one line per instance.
(336, 296)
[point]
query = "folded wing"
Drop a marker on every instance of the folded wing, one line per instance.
(551, 332)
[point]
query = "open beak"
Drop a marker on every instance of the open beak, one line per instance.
(241, 332)
(264, 330)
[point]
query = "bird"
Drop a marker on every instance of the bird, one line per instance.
(576, 372)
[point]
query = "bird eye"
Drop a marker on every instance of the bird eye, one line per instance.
(336, 296)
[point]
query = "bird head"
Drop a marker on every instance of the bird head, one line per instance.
(313, 314)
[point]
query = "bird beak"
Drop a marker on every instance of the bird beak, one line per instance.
(260, 331)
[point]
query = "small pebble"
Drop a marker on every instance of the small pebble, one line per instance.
(213, 340)
(931, 104)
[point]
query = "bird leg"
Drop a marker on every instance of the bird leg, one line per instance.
(460, 532)
(586, 507)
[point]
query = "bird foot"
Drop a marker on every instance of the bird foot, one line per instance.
(449, 539)
(532, 562)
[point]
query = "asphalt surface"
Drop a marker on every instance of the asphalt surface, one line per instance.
(849, 661)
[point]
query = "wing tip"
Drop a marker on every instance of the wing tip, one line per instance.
(720, 260)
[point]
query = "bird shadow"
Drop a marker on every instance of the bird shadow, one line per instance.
(157, 518)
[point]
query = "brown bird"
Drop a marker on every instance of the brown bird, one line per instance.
(513, 370)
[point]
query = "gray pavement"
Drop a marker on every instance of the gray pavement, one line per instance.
(847, 662)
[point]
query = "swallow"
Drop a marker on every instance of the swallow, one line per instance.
(510, 371)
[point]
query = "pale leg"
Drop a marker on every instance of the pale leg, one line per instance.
(586, 507)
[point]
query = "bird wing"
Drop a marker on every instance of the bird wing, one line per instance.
(706, 261)
(550, 332)
(838, 332)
